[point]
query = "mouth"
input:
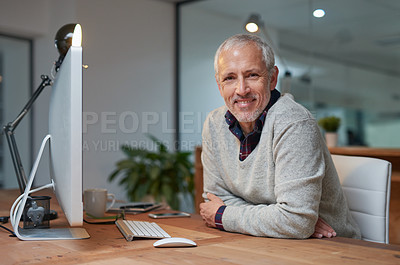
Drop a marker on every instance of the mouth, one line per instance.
(244, 103)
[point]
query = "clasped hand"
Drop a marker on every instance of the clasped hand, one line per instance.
(209, 209)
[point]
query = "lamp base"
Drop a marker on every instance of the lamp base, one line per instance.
(37, 213)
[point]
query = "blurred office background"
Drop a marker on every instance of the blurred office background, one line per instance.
(151, 70)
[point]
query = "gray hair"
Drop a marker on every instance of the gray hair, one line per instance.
(241, 40)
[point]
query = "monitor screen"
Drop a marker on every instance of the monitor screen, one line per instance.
(65, 129)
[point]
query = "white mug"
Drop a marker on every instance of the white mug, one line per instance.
(95, 201)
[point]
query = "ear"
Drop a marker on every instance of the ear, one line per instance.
(274, 78)
(219, 86)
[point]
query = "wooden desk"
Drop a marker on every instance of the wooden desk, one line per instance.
(108, 246)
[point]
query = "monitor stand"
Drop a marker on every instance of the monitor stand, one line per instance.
(45, 233)
(53, 233)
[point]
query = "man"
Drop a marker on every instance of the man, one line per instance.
(267, 171)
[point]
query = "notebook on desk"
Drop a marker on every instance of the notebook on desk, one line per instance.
(140, 229)
(134, 207)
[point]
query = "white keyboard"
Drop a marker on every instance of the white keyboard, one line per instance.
(140, 229)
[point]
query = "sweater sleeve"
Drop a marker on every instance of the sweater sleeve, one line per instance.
(299, 169)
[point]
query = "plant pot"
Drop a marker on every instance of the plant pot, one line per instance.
(331, 139)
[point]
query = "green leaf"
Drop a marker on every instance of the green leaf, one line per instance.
(160, 173)
(154, 173)
(125, 164)
(155, 190)
(142, 190)
(168, 194)
(113, 175)
(329, 124)
(133, 179)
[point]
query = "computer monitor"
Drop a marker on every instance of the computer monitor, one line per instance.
(65, 149)
(65, 129)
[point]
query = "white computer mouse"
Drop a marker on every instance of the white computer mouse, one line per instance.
(172, 242)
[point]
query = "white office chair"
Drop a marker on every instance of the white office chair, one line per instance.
(366, 185)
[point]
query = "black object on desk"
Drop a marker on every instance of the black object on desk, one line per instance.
(134, 207)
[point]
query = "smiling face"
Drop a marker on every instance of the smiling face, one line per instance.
(244, 83)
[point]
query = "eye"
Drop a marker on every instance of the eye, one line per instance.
(253, 75)
(228, 78)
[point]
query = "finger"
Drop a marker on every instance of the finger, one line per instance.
(211, 196)
(323, 232)
(215, 198)
(324, 225)
(328, 227)
(316, 235)
(202, 205)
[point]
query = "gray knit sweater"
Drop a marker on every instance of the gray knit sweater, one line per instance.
(287, 181)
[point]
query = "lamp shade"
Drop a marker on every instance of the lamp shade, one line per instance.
(67, 36)
(63, 38)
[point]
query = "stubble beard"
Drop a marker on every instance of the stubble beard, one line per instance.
(244, 115)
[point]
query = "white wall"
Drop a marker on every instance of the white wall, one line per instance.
(129, 47)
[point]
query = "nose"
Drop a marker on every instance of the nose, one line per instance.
(242, 87)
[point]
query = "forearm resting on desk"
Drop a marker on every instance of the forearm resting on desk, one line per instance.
(209, 208)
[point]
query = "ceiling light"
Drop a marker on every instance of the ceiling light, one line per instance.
(253, 23)
(319, 13)
(251, 27)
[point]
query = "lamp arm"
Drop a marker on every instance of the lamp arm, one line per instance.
(9, 132)
(46, 81)
(16, 159)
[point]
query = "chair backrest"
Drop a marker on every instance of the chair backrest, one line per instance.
(366, 185)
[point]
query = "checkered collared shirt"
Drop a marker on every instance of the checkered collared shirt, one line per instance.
(248, 143)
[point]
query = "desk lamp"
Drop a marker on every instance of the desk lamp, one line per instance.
(63, 41)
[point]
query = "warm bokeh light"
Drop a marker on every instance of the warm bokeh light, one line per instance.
(318, 13)
(251, 27)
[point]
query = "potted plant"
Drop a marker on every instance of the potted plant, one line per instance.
(330, 125)
(161, 174)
